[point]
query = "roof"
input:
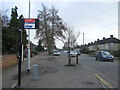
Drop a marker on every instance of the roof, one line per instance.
(105, 41)
(108, 40)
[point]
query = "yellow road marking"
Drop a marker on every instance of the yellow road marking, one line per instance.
(103, 81)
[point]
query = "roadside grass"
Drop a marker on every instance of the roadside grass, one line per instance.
(117, 58)
(91, 55)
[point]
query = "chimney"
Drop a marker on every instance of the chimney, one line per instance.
(111, 36)
(97, 39)
(103, 38)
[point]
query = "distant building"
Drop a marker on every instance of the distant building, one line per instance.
(111, 43)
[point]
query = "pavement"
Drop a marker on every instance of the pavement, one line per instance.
(52, 73)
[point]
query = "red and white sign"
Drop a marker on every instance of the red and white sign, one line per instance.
(29, 23)
(29, 20)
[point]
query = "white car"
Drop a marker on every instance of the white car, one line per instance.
(73, 53)
(65, 51)
(56, 53)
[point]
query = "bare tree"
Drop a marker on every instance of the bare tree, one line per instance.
(69, 36)
(69, 39)
(4, 17)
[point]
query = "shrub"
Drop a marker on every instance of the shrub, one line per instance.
(115, 53)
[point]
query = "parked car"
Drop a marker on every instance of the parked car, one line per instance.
(73, 53)
(78, 52)
(104, 56)
(56, 53)
(65, 51)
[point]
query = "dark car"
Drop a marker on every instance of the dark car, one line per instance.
(104, 56)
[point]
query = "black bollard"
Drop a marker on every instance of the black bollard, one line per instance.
(77, 59)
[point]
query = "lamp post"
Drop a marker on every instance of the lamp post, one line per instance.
(83, 39)
(28, 69)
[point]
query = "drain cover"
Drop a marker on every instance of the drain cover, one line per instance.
(44, 70)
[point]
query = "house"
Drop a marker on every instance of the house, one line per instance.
(110, 44)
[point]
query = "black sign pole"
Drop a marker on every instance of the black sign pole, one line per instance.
(20, 56)
(20, 52)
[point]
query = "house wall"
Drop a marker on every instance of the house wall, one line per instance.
(103, 47)
(93, 48)
(108, 46)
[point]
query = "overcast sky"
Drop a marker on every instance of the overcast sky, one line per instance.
(95, 18)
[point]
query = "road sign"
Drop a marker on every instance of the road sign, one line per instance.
(29, 23)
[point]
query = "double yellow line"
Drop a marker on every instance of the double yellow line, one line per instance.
(103, 81)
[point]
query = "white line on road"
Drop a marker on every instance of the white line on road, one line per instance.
(13, 85)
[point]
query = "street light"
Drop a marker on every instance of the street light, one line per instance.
(28, 69)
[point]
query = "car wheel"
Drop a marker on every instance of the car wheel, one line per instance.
(96, 59)
(101, 59)
(111, 60)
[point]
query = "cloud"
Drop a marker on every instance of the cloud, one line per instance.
(63, 0)
(95, 19)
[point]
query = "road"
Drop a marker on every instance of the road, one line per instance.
(83, 75)
(108, 71)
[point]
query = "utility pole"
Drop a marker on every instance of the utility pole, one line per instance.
(28, 69)
(83, 39)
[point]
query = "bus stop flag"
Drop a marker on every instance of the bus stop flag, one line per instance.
(29, 23)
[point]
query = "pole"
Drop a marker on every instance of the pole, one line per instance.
(28, 69)
(19, 61)
(83, 39)
(20, 54)
(69, 57)
(77, 59)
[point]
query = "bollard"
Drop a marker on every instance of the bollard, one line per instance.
(77, 59)
(35, 72)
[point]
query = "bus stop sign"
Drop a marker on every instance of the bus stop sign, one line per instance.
(29, 23)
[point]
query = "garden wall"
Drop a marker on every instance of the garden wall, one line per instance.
(8, 61)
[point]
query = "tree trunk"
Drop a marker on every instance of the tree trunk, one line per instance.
(69, 58)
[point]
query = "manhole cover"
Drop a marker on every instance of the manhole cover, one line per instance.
(45, 70)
